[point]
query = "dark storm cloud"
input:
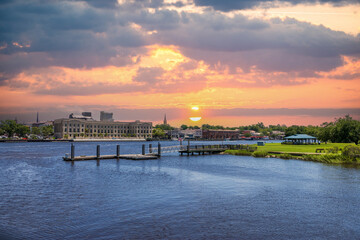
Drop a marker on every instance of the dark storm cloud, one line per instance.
(229, 5)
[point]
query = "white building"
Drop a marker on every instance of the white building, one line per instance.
(82, 128)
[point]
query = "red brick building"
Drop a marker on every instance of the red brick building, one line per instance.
(220, 134)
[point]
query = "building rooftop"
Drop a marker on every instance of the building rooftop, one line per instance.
(300, 136)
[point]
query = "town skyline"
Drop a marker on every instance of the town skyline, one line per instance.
(240, 62)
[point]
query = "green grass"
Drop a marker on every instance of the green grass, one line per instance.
(278, 147)
(286, 152)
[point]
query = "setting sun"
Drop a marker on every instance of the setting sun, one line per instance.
(195, 108)
(195, 119)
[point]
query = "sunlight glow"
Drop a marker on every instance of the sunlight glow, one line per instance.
(195, 119)
(195, 108)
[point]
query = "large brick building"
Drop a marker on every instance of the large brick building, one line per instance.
(212, 134)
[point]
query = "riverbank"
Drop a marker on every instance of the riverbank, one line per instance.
(336, 153)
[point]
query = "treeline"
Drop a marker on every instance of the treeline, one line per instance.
(11, 128)
(342, 130)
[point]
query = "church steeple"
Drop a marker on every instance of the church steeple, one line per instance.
(37, 117)
(165, 121)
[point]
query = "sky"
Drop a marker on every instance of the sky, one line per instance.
(239, 61)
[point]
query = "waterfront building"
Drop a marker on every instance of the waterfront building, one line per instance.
(85, 127)
(301, 139)
(213, 134)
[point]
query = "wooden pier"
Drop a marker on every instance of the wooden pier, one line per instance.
(213, 149)
(104, 157)
(98, 157)
(155, 153)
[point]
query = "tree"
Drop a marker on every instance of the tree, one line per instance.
(184, 127)
(158, 133)
(346, 130)
(35, 130)
(22, 130)
(9, 127)
(324, 133)
(47, 131)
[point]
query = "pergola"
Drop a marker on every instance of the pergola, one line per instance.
(301, 139)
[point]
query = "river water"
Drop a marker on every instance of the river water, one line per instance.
(196, 197)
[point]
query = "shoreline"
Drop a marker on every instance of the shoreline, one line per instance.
(71, 140)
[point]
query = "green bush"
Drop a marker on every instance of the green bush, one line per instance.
(260, 154)
(351, 152)
(327, 158)
(239, 152)
(332, 150)
(285, 156)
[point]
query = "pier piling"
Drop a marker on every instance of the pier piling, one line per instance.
(143, 149)
(118, 151)
(98, 151)
(159, 149)
(72, 152)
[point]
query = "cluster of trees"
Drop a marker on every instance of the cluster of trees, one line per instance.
(343, 130)
(11, 128)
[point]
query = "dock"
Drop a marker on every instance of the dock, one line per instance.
(213, 149)
(105, 157)
(143, 156)
(155, 153)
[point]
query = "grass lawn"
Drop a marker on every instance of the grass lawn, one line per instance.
(278, 147)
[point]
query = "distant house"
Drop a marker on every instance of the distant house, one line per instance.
(301, 139)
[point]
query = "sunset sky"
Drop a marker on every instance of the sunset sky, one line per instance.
(240, 62)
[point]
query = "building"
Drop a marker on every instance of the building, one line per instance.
(301, 139)
(89, 128)
(106, 116)
(220, 134)
(188, 133)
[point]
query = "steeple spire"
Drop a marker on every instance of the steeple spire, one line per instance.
(37, 117)
(165, 121)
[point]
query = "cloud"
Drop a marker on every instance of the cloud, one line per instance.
(276, 45)
(149, 75)
(229, 5)
(93, 34)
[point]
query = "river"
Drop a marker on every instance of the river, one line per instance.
(196, 197)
